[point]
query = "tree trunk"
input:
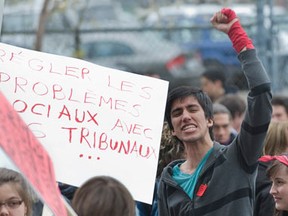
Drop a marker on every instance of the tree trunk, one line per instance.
(41, 27)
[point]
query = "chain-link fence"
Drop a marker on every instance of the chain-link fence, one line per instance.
(271, 39)
(176, 53)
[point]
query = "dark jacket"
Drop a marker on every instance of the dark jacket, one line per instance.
(264, 202)
(144, 209)
(284, 213)
(226, 184)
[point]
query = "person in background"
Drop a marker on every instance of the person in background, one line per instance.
(213, 82)
(67, 191)
(213, 179)
(15, 194)
(103, 196)
(222, 125)
(280, 108)
(237, 106)
(278, 173)
(275, 143)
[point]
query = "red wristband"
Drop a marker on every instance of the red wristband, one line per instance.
(237, 35)
(239, 38)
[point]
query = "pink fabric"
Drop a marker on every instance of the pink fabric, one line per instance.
(282, 158)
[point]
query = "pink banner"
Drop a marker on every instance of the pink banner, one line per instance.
(29, 156)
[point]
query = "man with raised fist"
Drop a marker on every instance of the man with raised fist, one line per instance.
(216, 180)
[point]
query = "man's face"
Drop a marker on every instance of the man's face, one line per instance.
(279, 113)
(188, 120)
(222, 127)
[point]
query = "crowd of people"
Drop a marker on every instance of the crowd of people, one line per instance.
(219, 154)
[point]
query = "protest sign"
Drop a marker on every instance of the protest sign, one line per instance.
(92, 120)
(29, 156)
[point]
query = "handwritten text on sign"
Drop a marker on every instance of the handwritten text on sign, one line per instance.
(91, 119)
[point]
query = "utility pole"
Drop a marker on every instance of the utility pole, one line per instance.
(266, 39)
(261, 33)
(273, 45)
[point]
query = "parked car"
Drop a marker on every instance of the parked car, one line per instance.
(101, 14)
(143, 53)
(20, 22)
(189, 26)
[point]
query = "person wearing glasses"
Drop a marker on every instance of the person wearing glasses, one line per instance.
(15, 197)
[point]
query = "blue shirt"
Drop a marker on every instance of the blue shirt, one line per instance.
(188, 181)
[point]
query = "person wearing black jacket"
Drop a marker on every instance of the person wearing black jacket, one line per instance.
(213, 179)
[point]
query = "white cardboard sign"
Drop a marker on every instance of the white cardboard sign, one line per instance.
(92, 120)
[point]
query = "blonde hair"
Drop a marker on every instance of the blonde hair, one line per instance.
(276, 140)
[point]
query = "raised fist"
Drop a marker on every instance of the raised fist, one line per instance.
(230, 14)
(224, 19)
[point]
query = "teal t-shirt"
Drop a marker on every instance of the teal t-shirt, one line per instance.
(188, 181)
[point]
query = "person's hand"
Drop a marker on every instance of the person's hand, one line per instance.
(227, 21)
(224, 19)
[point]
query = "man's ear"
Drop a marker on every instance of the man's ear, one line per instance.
(210, 122)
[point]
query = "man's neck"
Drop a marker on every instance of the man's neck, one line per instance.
(194, 154)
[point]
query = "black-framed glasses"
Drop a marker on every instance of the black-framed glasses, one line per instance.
(11, 204)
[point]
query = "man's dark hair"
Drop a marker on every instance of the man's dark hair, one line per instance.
(182, 92)
(215, 74)
(280, 100)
